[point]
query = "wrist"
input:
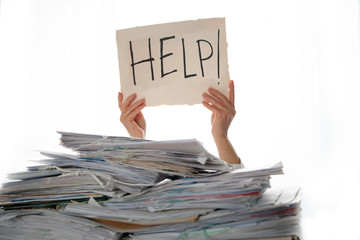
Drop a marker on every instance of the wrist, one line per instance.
(226, 150)
(220, 138)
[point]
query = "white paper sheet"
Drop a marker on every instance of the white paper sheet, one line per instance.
(173, 63)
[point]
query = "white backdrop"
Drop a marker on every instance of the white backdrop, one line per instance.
(296, 70)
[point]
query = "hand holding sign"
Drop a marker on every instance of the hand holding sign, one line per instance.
(131, 115)
(173, 63)
(222, 108)
(223, 112)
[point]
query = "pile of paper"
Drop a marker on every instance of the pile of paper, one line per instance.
(233, 190)
(129, 188)
(185, 158)
(238, 189)
(65, 177)
(274, 216)
(49, 224)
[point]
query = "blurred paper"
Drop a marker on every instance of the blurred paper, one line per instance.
(173, 63)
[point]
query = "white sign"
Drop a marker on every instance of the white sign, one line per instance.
(173, 63)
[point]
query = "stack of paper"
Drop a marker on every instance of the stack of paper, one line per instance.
(226, 206)
(186, 158)
(49, 224)
(145, 189)
(274, 216)
(233, 190)
(64, 177)
(106, 166)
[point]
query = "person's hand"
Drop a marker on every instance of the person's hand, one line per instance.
(222, 108)
(131, 116)
(223, 112)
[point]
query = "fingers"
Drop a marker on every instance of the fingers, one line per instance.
(212, 103)
(129, 109)
(211, 107)
(120, 98)
(133, 110)
(216, 102)
(128, 102)
(218, 95)
(232, 92)
(221, 97)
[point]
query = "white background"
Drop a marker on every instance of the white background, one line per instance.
(296, 70)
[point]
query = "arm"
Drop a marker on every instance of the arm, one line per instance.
(223, 112)
(131, 116)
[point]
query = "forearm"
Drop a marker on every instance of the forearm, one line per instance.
(226, 150)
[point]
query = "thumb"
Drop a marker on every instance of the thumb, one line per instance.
(120, 99)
